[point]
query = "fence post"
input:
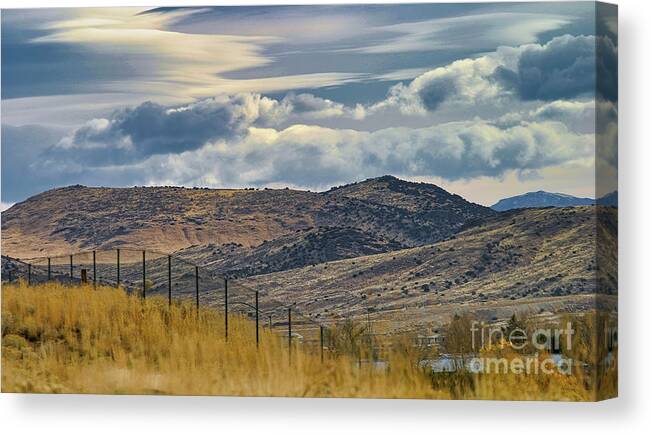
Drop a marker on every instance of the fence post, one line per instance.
(70, 267)
(321, 339)
(196, 284)
(29, 274)
(49, 268)
(289, 331)
(94, 269)
(257, 313)
(270, 323)
(169, 280)
(144, 276)
(226, 308)
(118, 268)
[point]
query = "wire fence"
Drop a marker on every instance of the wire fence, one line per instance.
(364, 330)
(147, 273)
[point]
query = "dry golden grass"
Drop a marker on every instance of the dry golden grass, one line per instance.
(82, 340)
(58, 339)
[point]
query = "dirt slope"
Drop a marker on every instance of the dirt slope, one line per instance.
(171, 218)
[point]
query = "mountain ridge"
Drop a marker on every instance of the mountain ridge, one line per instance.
(76, 218)
(383, 244)
(609, 199)
(541, 198)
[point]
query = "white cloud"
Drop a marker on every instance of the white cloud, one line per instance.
(308, 106)
(247, 138)
(563, 68)
(489, 29)
(72, 110)
(318, 157)
(175, 64)
(234, 141)
(133, 134)
(463, 81)
(401, 74)
(563, 109)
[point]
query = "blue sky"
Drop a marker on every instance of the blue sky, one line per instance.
(486, 100)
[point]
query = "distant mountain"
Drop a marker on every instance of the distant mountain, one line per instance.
(541, 199)
(611, 199)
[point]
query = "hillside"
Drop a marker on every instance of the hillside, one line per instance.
(609, 199)
(385, 209)
(534, 259)
(302, 248)
(386, 247)
(540, 199)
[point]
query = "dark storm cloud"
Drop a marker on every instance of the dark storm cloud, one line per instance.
(563, 68)
(133, 134)
(607, 75)
(434, 93)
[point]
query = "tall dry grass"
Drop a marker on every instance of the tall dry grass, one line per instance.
(85, 340)
(60, 339)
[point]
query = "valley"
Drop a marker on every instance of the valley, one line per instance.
(407, 255)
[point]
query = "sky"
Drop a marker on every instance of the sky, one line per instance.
(485, 100)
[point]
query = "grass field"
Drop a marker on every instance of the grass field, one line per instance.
(58, 339)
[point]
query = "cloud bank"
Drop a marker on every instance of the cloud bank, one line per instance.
(317, 157)
(251, 139)
(563, 68)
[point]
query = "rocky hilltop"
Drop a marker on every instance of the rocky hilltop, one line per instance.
(384, 213)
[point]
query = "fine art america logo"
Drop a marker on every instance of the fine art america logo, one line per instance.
(546, 340)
